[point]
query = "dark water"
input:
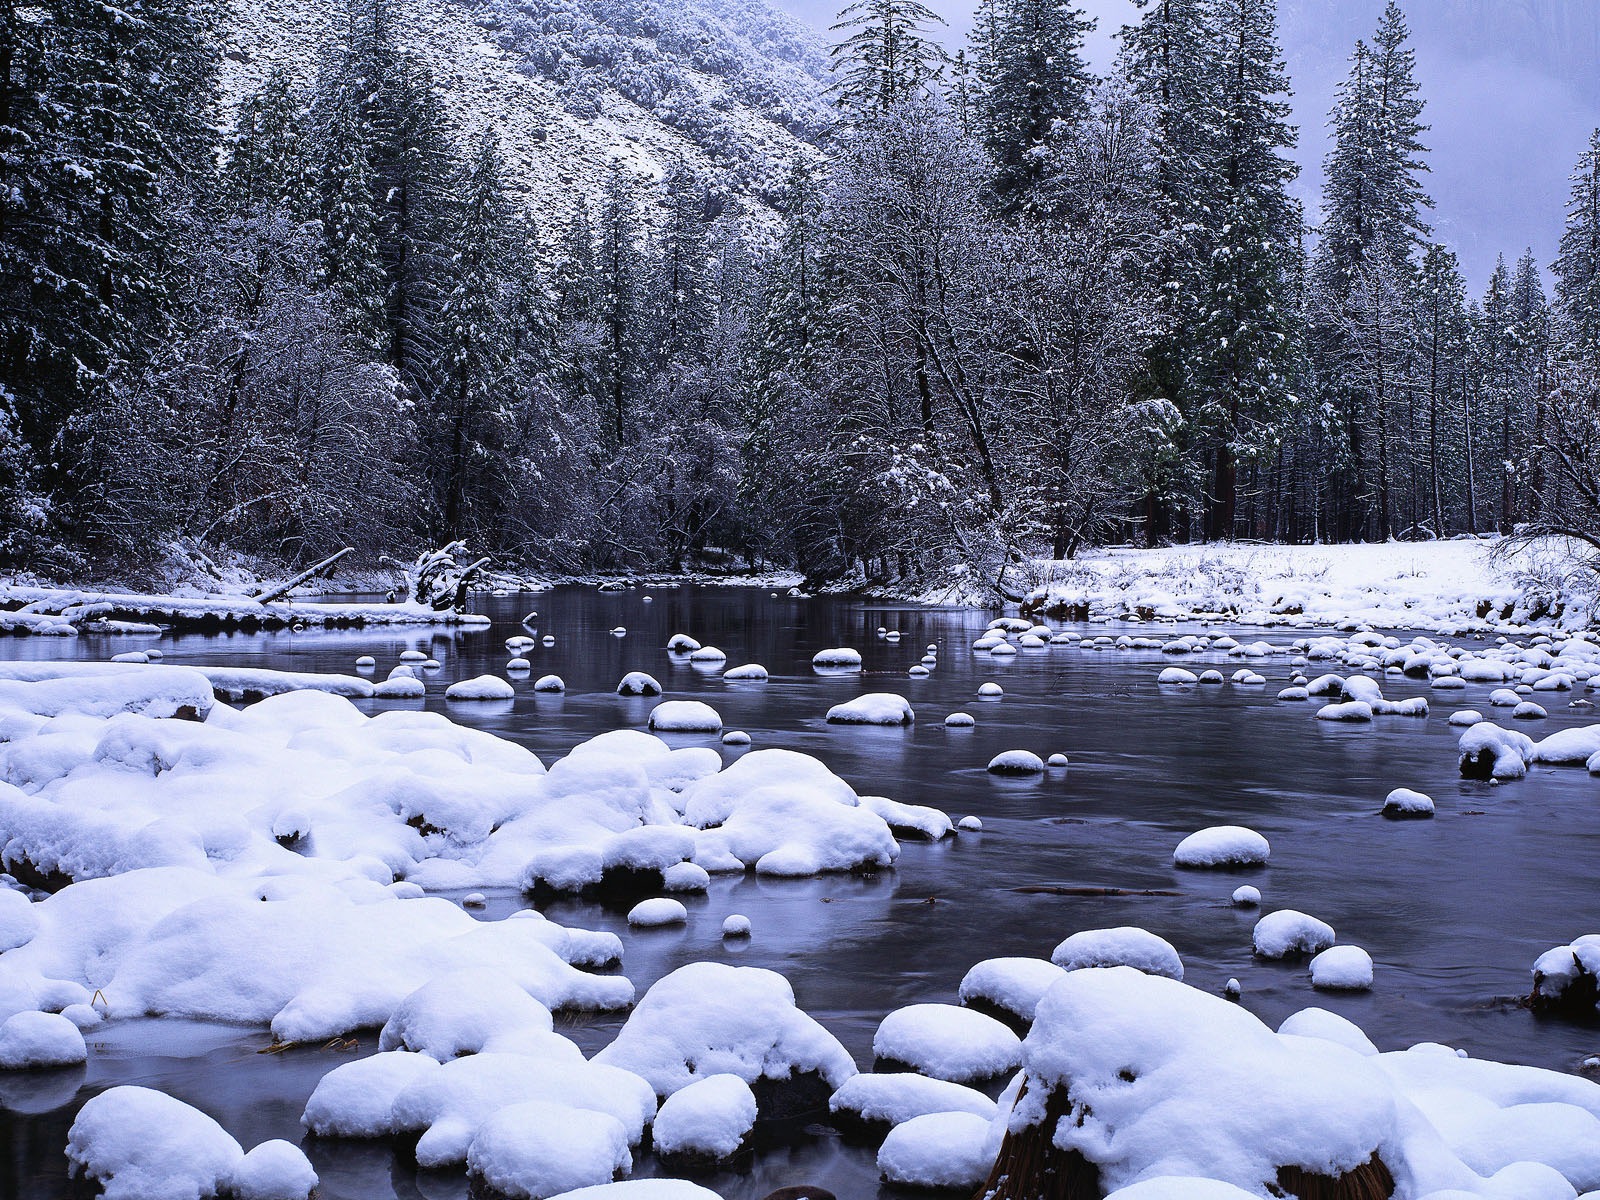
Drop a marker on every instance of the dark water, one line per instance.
(1453, 910)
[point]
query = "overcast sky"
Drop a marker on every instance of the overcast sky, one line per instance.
(1513, 91)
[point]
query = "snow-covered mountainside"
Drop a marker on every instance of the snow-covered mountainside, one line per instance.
(734, 88)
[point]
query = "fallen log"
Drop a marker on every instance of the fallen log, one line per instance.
(283, 589)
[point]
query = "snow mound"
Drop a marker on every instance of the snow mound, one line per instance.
(947, 1042)
(139, 1144)
(642, 1189)
(685, 716)
(537, 1149)
(1016, 762)
(838, 658)
(464, 1012)
(546, 683)
(356, 1100)
(1177, 676)
(1011, 986)
(1405, 804)
(946, 1151)
(1287, 932)
(871, 1105)
(1354, 712)
(712, 1019)
(910, 820)
(1126, 946)
(653, 914)
(637, 683)
(275, 1170)
(874, 708)
(750, 672)
(1568, 747)
(19, 923)
(960, 720)
(35, 1040)
(1223, 846)
(484, 687)
(1489, 752)
(1342, 969)
(450, 1107)
(706, 1123)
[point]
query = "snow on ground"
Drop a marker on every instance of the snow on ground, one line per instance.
(1433, 586)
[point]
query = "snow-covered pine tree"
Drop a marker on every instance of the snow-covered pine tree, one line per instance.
(470, 407)
(1372, 221)
(1441, 343)
(1035, 86)
(1577, 267)
(617, 308)
(267, 166)
(1168, 59)
(886, 56)
(352, 225)
(1249, 334)
(682, 320)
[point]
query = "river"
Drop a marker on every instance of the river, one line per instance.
(1453, 910)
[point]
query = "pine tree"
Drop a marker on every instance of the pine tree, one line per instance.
(1373, 203)
(886, 56)
(1577, 267)
(471, 403)
(683, 321)
(267, 165)
(1249, 336)
(352, 226)
(1168, 60)
(1442, 324)
(616, 307)
(1035, 86)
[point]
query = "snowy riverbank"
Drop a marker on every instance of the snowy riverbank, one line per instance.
(1434, 586)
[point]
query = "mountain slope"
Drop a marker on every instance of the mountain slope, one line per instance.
(733, 88)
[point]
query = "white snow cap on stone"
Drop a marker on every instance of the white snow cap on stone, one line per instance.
(1016, 762)
(1286, 932)
(35, 1040)
(637, 683)
(484, 687)
(1126, 946)
(946, 1042)
(275, 1170)
(140, 1144)
(710, 1019)
(652, 914)
(539, 1148)
(896, 1097)
(938, 1150)
(1222, 846)
(685, 716)
(874, 708)
(1014, 985)
(711, 1118)
(837, 658)
(1342, 969)
(749, 672)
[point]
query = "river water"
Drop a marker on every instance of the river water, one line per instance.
(1453, 910)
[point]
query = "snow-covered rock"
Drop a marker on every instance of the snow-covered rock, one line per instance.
(275, 1170)
(946, 1042)
(1342, 969)
(1489, 752)
(1126, 946)
(706, 1123)
(709, 1019)
(1224, 846)
(139, 1144)
(869, 1105)
(1288, 932)
(685, 716)
(655, 913)
(1405, 804)
(637, 683)
(1009, 988)
(840, 658)
(748, 673)
(943, 1151)
(484, 687)
(35, 1040)
(539, 1148)
(1016, 762)
(874, 708)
